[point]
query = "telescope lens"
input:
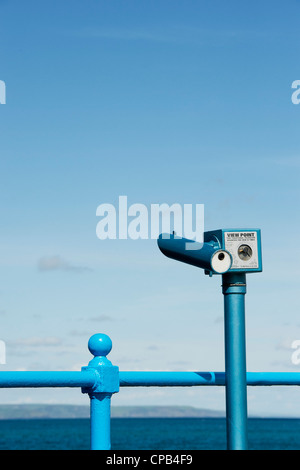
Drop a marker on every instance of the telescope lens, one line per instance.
(221, 262)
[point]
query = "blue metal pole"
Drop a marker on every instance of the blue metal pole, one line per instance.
(234, 290)
(100, 421)
(101, 392)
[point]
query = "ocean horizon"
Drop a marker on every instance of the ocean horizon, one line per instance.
(178, 434)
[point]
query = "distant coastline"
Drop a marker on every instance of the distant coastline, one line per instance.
(40, 411)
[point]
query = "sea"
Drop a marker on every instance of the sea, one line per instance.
(147, 434)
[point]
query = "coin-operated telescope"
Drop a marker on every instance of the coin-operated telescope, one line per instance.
(231, 253)
(223, 251)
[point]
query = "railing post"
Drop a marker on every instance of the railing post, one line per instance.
(234, 290)
(100, 394)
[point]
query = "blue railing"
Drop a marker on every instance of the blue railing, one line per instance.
(100, 380)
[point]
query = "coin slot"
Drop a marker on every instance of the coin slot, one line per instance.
(245, 252)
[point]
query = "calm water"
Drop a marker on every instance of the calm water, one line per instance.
(147, 434)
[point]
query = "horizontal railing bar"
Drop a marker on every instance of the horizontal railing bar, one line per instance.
(170, 379)
(273, 378)
(89, 378)
(186, 379)
(28, 379)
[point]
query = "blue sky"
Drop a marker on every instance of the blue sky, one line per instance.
(162, 101)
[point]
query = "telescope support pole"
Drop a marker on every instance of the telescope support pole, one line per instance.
(234, 290)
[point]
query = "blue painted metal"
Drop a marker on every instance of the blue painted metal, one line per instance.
(89, 379)
(218, 236)
(216, 242)
(100, 421)
(234, 290)
(171, 379)
(101, 392)
(190, 252)
(48, 379)
(194, 379)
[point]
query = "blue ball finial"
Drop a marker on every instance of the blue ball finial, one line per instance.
(100, 345)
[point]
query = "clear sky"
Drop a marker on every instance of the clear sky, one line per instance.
(163, 101)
